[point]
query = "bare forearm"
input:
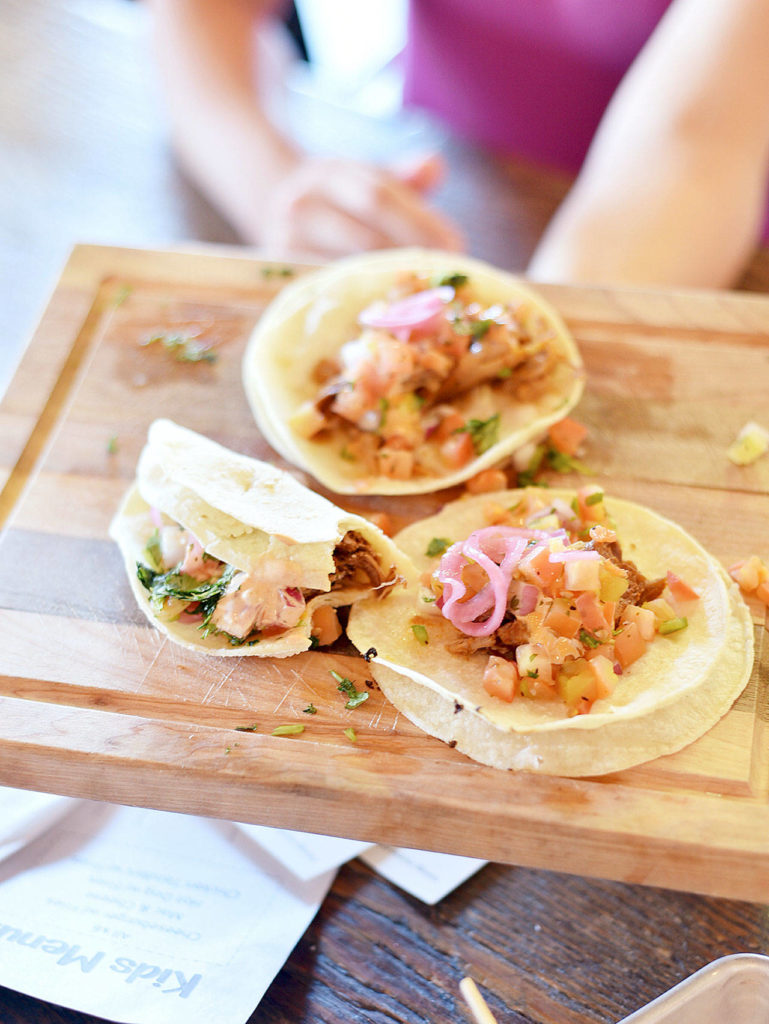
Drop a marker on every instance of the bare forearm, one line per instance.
(209, 66)
(674, 187)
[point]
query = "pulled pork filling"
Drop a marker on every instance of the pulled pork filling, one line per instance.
(545, 593)
(417, 391)
(187, 584)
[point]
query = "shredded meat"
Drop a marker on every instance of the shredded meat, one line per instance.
(510, 634)
(356, 563)
(639, 588)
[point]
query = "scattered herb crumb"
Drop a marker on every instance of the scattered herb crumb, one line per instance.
(247, 728)
(310, 710)
(355, 697)
(314, 643)
(183, 348)
(437, 546)
(350, 734)
(121, 295)
(277, 271)
(112, 445)
(420, 633)
(288, 730)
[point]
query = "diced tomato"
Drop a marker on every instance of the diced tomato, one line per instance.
(590, 611)
(629, 645)
(750, 573)
(533, 663)
(604, 675)
(661, 608)
(448, 426)
(500, 678)
(567, 435)
(679, 589)
(537, 568)
(457, 450)
(590, 504)
(644, 618)
(395, 463)
(583, 574)
(562, 620)
(487, 480)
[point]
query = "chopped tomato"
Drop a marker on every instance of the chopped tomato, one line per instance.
(487, 480)
(567, 435)
(680, 590)
(457, 450)
(629, 645)
(500, 678)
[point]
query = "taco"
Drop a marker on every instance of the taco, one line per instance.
(229, 555)
(559, 632)
(407, 371)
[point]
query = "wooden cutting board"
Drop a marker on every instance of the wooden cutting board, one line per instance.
(94, 703)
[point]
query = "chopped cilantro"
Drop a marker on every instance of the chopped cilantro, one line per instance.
(588, 639)
(186, 588)
(533, 673)
(355, 697)
(593, 499)
(247, 728)
(420, 633)
(505, 373)
(484, 433)
(310, 710)
(350, 734)
(346, 454)
(672, 625)
(437, 546)
(277, 271)
(314, 643)
(112, 445)
(454, 280)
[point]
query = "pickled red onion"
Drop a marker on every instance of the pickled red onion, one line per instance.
(405, 315)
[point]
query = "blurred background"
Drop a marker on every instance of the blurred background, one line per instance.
(85, 157)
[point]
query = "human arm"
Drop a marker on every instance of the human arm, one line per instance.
(673, 190)
(272, 192)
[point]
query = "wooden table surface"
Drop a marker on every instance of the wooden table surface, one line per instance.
(85, 158)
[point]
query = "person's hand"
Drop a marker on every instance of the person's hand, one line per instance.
(330, 207)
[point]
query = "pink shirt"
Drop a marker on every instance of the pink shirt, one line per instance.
(524, 77)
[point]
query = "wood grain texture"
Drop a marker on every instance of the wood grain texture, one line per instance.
(95, 703)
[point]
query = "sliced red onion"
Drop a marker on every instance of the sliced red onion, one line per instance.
(527, 595)
(407, 314)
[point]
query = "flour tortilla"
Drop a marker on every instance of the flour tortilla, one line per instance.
(314, 316)
(248, 514)
(681, 686)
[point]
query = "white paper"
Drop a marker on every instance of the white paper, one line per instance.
(428, 876)
(25, 814)
(304, 854)
(146, 916)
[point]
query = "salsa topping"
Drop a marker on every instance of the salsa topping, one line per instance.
(418, 389)
(547, 594)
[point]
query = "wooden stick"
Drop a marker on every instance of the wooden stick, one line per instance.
(476, 1002)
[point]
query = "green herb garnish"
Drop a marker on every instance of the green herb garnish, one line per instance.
(484, 433)
(454, 280)
(310, 710)
(355, 697)
(247, 728)
(588, 639)
(437, 546)
(350, 734)
(112, 445)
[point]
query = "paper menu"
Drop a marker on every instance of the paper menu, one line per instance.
(304, 854)
(25, 814)
(140, 916)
